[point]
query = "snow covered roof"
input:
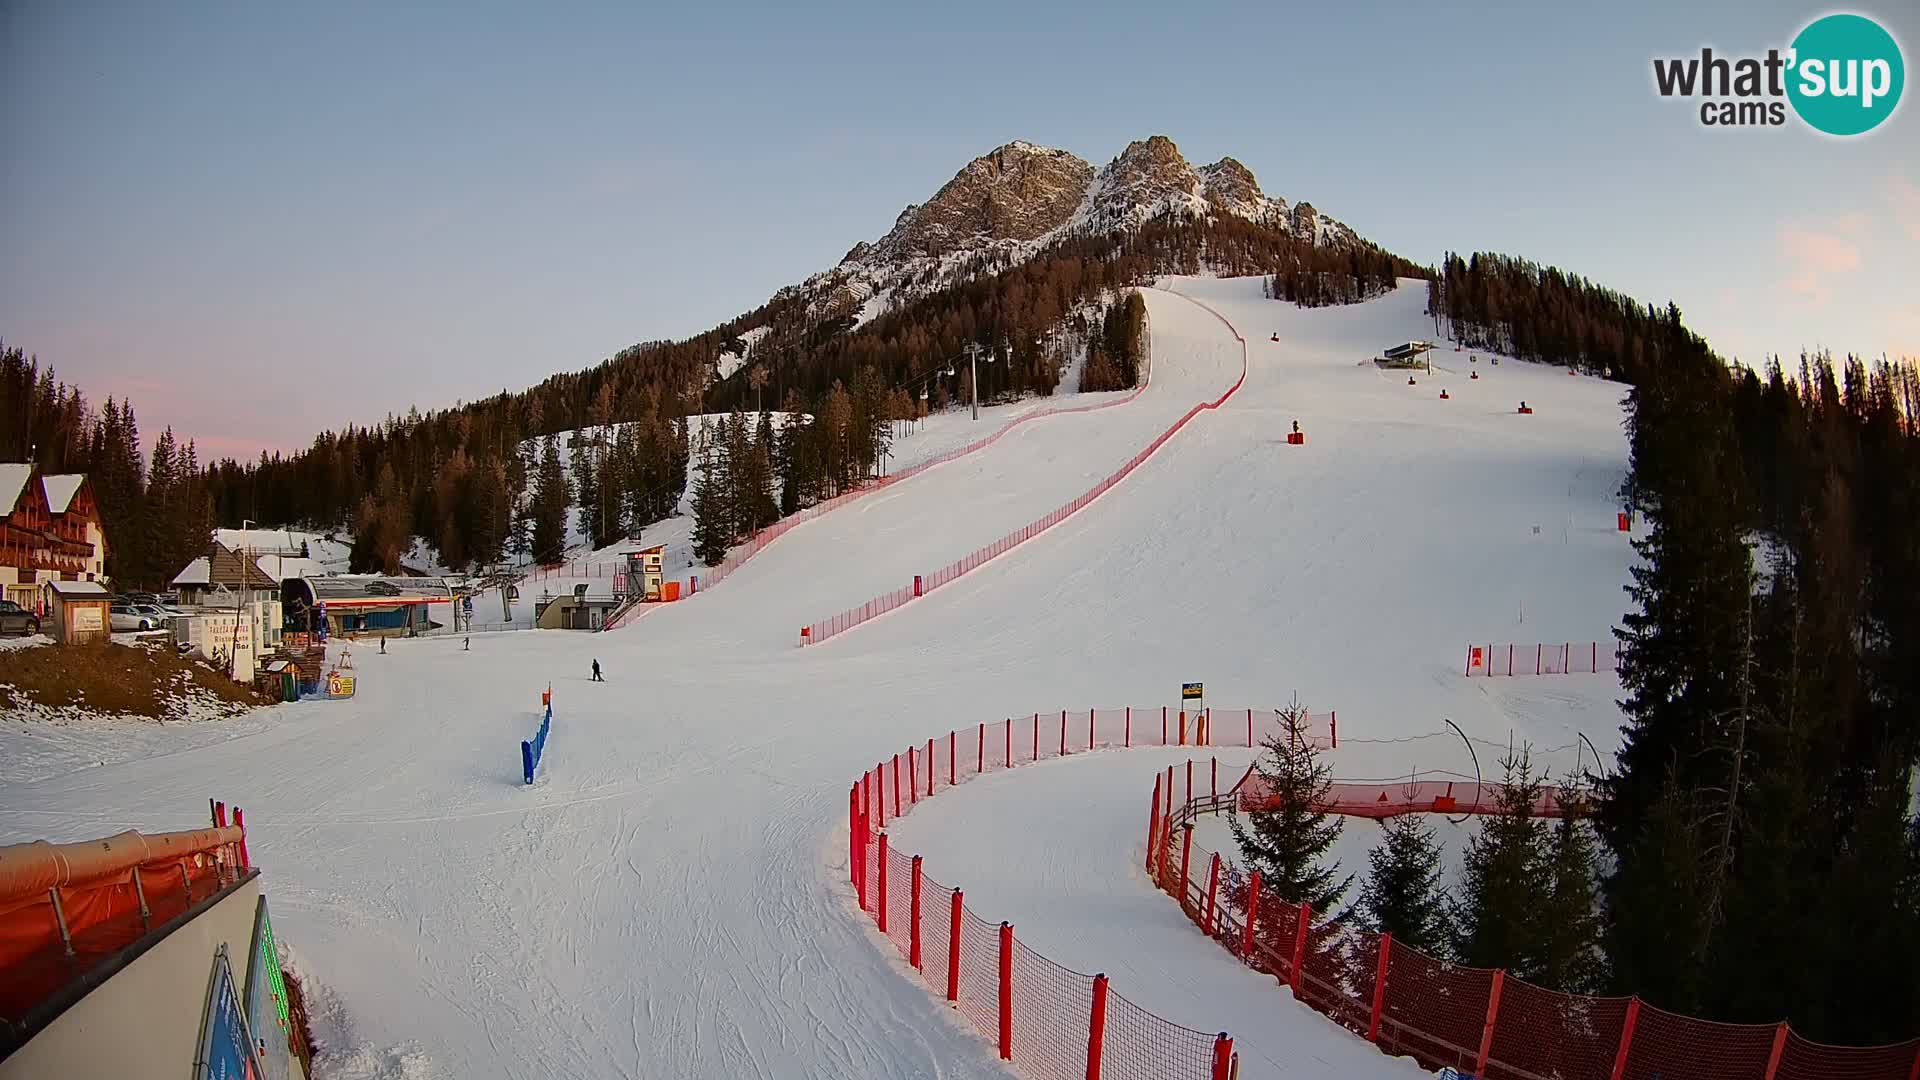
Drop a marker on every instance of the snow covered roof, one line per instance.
(282, 567)
(259, 541)
(79, 588)
(61, 488)
(196, 573)
(13, 480)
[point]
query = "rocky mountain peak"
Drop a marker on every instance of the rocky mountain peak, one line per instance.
(1017, 192)
(1230, 186)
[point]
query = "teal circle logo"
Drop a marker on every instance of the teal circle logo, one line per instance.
(1847, 74)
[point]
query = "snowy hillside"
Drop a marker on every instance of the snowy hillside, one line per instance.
(669, 900)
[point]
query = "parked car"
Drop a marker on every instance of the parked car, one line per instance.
(128, 618)
(15, 619)
(160, 615)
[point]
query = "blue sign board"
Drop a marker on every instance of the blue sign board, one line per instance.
(226, 1049)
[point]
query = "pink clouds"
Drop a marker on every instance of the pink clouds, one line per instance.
(1905, 197)
(1818, 253)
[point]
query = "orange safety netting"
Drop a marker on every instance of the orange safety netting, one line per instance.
(1490, 1024)
(66, 907)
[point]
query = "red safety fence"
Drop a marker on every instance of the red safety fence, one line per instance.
(1391, 798)
(1051, 1022)
(739, 555)
(1476, 1020)
(65, 908)
(924, 583)
(1541, 658)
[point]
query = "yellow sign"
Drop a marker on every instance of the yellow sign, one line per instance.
(1190, 691)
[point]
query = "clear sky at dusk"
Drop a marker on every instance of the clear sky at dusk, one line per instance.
(263, 220)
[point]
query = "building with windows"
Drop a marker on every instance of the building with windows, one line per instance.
(49, 531)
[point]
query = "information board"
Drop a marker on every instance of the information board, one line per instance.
(226, 1047)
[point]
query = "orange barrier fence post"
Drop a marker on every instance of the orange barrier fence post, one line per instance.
(219, 813)
(881, 911)
(1222, 1057)
(1183, 727)
(1333, 726)
(896, 785)
(1249, 727)
(953, 949)
(1189, 782)
(1063, 733)
(853, 836)
(1009, 742)
(1153, 823)
(1253, 912)
(1379, 987)
(1186, 858)
(240, 822)
(876, 786)
(1626, 1039)
(1090, 715)
(929, 768)
(913, 919)
(1214, 790)
(1006, 992)
(913, 777)
(1163, 725)
(1097, 1027)
(952, 756)
(1213, 891)
(1303, 923)
(1128, 740)
(980, 766)
(1036, 736)
(1779, 1047)
(1493, 1013)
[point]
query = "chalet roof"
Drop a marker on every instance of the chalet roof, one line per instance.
(194, 574)
(259, 541)
(80, 589)
(226, 567)
(61, 488)
(13, 481)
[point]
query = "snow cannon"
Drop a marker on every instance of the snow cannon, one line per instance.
(1475, 375)
(1275, 337)
(1525, 409)
(1572, 373)
(1411, 381)
(1296, 437)
(1444, 396)
(806, 635)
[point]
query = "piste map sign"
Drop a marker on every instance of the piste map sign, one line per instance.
(226, 1049)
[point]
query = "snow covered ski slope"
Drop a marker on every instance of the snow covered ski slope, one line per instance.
(667, 900)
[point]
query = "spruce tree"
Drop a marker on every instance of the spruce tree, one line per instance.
(1505, 884)
(1288, 839)
(586, 486)
(1403, 894)
(711, 536)
(1570, 957)
(549, 510)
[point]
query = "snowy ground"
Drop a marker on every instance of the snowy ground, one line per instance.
(668, 899)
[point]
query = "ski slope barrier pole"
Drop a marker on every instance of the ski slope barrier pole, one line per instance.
(532, 749)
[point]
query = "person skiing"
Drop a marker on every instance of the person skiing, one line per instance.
(596, 672)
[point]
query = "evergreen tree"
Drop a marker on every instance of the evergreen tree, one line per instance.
(1570, 958)
(711, 530)
(586, 485)
(1402, 894)
(1655, 910)
(1506, 883)
(1289, 838)
(550, 502)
